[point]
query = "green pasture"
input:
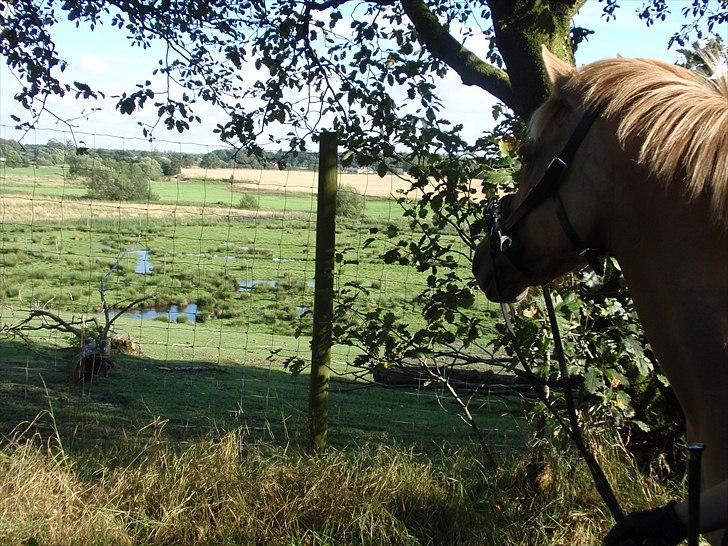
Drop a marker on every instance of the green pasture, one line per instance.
(53, 182)
(159, 393)
(241, 288)
(42, 173)
(249, 273)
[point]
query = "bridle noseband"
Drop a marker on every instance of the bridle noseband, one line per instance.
(501, 232)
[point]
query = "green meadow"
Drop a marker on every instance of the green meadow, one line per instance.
(54, 182)
(220, 290)
(198, 434)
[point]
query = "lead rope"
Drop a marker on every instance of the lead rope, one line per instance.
(572, 428)
(600, 479)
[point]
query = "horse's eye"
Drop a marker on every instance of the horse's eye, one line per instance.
(526, 153)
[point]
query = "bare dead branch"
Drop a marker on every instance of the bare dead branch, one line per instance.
(126, 308)
(466, 416)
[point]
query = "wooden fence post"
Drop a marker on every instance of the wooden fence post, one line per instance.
(323, 303)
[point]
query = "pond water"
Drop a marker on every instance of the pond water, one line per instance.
(232, 257)
(248, 284)
(170, 313)
(204, 254)
(144, 262)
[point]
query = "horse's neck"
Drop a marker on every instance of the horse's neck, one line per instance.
(675, 262)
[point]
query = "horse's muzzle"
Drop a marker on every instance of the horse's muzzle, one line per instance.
(510, 284)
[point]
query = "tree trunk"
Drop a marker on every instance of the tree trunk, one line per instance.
(521, 27)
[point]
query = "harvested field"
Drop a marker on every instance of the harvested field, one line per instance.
(301, 181)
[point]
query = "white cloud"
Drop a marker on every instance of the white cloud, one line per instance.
(94, 64)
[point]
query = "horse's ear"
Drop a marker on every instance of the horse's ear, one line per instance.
(558, 71)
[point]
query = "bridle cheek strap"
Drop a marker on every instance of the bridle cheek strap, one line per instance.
(549, 185)
(592, 255)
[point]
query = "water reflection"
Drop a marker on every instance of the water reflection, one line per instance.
(171, 313)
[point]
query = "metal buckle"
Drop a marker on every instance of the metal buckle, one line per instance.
(505, 242)
(557, 164)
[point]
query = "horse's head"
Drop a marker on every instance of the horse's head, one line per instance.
(542, 231)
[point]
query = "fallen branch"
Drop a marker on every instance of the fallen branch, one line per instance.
(94, 356)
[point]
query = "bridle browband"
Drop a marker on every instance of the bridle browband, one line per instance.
(501, 233)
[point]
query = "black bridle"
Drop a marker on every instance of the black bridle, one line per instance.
(501, 242)
(502, 233)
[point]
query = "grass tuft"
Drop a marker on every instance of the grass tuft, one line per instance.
(233, 491)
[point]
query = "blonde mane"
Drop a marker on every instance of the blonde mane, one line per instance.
(678, 118)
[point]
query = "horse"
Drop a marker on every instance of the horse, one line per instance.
(629, 158)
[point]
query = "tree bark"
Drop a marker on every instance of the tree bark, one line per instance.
(471, 68)
(520, 27)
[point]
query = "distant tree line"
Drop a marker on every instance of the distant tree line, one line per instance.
(57, 153)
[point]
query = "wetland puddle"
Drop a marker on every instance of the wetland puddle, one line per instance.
(263, 253)
(249, 284)
(206, 255)
(171, 313)
(144, 262)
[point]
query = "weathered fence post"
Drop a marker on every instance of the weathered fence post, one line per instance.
(323, 302)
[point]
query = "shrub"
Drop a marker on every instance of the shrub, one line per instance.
(120, 181)
(247, 201)
(349, 202)
(13, 158)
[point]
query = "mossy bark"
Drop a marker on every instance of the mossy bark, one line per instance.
(520, 27)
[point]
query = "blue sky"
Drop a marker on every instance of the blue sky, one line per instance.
(103, 57)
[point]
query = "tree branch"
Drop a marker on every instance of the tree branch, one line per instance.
(61, 324)
(110, 321)
(440, 377)
(443, 45)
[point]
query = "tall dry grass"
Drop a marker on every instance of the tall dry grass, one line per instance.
(227, 491)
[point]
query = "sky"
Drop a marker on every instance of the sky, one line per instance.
(106, 58)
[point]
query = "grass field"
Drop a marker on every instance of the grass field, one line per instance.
(286, 192)
(198, 435)
(226, 286)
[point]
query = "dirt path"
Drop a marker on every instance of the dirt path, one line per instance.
(17, 208)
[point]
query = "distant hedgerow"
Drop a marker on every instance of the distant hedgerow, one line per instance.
(116, 180)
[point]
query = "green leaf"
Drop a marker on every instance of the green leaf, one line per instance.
(593, 381)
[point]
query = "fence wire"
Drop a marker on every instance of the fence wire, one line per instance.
(223, 254)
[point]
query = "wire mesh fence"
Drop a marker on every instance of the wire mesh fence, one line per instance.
(208, 277)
